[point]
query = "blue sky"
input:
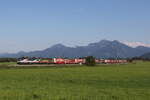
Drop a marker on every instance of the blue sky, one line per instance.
(37, 24)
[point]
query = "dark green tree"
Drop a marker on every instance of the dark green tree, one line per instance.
(90, 61)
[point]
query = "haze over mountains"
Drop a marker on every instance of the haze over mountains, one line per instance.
(102, 49)
(136, 44)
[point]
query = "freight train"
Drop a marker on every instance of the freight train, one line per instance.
(66, 61)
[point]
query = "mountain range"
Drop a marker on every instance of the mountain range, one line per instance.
(102, 49)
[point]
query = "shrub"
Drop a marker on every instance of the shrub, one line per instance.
(90, 61)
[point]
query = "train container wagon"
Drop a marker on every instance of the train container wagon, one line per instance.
(59, 61)
(70, 61)
(80, 61)
(46, 61)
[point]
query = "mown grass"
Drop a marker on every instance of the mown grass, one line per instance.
(103, 82)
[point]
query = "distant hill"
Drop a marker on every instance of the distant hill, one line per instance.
(102, 49)
(146, 55)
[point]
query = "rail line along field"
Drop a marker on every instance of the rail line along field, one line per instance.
(67, 61)
(102, 82)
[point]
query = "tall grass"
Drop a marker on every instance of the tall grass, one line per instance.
(103, 82)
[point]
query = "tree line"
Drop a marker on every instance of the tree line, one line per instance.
(8, 59)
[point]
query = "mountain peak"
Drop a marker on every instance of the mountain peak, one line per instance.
(116, 41)
(104, 41)
(109, 41)
(58, 46)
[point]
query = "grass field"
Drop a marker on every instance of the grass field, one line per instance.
(103, 82)
(4, 64)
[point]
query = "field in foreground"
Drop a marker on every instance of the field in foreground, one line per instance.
(104, 82)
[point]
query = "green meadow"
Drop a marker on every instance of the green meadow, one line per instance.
(102, 82)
